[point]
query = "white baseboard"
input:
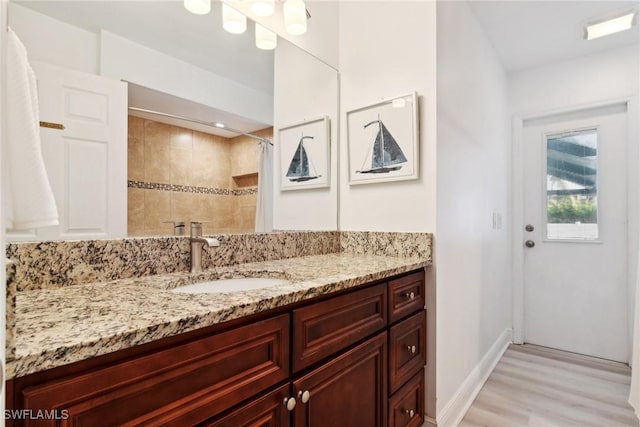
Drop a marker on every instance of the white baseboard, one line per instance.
(459, 404)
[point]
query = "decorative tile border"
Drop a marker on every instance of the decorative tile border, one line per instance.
(191, 189)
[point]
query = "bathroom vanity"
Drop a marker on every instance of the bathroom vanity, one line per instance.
(343, 342)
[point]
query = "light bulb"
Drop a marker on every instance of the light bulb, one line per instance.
(295, 17)
(263, 7)
(232, 20)
(199, 7)
(265, 39)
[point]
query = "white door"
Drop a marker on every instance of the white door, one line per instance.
(87, 160)
(575, 262)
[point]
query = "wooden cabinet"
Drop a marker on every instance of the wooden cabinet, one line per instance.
(406, 406)
(355, 359)
(407, 350)
(406, 295)
(179, 386)
(350, 390)
(265, 411)
(324, 328)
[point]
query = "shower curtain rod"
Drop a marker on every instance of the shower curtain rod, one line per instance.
(201, 122)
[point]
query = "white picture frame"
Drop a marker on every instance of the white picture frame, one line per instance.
(382, 141)
(305, 155)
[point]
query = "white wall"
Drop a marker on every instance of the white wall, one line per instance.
(123, 59)
(54, 42)
(305, 89)
(472, 258)
(576, 82)
(388, 49)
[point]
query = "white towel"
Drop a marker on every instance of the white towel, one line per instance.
(29, 199)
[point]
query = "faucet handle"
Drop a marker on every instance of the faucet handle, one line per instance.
(196, 228)
(178, 227)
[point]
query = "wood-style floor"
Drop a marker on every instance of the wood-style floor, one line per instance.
(535, 386)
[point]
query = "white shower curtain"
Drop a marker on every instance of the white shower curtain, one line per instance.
(264, 208)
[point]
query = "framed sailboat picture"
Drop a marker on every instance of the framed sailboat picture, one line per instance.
(304, 155)
(382, 141)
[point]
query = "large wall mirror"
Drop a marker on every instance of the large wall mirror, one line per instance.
(178, 64)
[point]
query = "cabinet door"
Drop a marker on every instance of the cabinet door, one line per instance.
(265, 411)
(350, 390)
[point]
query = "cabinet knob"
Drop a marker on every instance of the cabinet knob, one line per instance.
(289, 403)
(412, 349)
(304, 396)
(410, 295)
(409, 412)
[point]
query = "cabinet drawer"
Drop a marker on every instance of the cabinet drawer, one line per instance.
(406, 407)
(407, 349)
(406, 295)
(327, 327)
(267, 410)
(182, 385)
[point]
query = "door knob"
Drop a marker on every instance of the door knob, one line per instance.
(529, 227)
(529, 243)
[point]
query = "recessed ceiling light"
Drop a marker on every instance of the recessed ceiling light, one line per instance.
(219, 125)
(610, 26)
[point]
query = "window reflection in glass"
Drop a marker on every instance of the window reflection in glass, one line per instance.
(572, 190)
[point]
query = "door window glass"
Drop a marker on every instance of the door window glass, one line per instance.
(572, 185)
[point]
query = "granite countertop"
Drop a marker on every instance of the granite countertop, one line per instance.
(55, 327)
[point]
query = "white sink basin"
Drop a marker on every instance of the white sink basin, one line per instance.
(229, 285)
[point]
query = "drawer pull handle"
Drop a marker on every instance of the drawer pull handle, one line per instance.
(289, 403)
(304, 396)
(410, 295)
(409, 412)
(412, 349)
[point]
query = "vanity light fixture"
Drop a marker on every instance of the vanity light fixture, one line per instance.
(198, 7)
(232, 20)
(295, 17)
(609, 26)
(263, 7)
(265, 39)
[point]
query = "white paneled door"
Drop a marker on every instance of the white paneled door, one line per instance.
(87, 160)
(575, 232)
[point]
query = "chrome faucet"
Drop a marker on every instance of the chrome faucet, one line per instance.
(197, 243)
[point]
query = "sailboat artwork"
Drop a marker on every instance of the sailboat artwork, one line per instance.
(383, 141)
(387, 155)
(301, 164)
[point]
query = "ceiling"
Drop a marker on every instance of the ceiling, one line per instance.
(528, 34)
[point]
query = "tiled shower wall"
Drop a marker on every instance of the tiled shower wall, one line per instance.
(177, 174)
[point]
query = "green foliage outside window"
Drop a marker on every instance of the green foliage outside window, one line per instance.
(571, 209)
